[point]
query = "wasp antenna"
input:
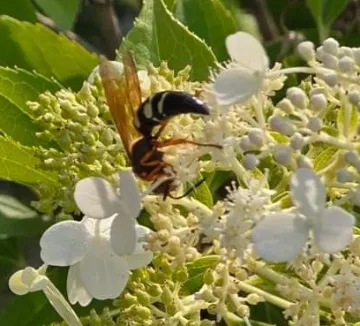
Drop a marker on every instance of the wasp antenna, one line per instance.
(193, 187)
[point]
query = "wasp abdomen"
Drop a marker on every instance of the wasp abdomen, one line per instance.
(164, 105)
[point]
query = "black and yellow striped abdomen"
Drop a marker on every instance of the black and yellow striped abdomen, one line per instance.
(161, 106)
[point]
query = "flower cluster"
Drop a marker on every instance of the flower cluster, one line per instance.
(284, 188)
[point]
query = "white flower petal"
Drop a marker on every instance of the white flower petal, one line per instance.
(75, 290)
(123, 235)
(102, 272)
(142, 231)
(97, 198)
(139, 260)
(103, 226)
(129, 194)
(64, 243)
(140, 257)
(307, 192)
(247, 51)
(236, 85)
(334, 232)
(280, 237)
(16, 284)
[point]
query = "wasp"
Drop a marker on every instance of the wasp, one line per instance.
(136, 121)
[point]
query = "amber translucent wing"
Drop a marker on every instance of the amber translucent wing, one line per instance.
(132, 81)
(122, 91)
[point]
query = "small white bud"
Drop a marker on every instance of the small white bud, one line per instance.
(245, 143)
(329, 78)
(344, 176)
(330, 61)
(320, 53)
(314, 124)
(283, 156)
(354, 97)
(331, 46)
(275, 122)
(346, 64)
(303, 162)
(281, 125)
(356, 55)
(297, 141)
(306, 50)
(319, 90)
(297, 97)
(250, 162)
(353, 159)
(345, 51)
(318, 101)
(256, 137)
(286, 106)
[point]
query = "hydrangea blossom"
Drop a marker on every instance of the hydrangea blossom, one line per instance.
(280, 237)
(245, 75)
(102, 248)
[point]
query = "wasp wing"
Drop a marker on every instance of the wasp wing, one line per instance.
(123, 96)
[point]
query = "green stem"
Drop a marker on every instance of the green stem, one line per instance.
(277, 301)
(61, 305)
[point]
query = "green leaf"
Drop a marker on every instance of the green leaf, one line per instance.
(325, 13)
(316, 8)
(19, 9)
(158, 36)
(22, 228)
(332, 10)
(196, 270)
(17, 219)
(17, 86)
(18, 125)
(349, 129)
(211, 21)
(11, 208)
(62, 12)
(216, 179)
(20, 86)
(280, 139)
(35, 47)
(202, 192)
(18, 163)
(325, 158)
(9, 258)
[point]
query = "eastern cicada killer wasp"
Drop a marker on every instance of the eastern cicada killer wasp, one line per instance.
(136, 120)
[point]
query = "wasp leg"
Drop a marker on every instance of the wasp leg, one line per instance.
(172, 142)
(145, 160)
(155, 173)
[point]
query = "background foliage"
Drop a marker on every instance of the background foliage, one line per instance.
(53, 44)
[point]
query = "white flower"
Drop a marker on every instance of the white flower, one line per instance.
(280, 237)
(102, 248)
(244, 206)
(245, 76)
(31, 280)
(346, 290)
